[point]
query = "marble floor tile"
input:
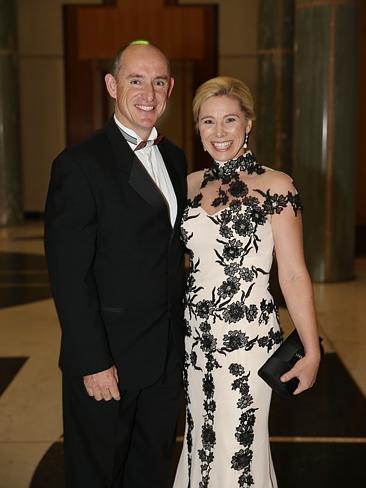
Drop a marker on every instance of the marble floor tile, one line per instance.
(319, 465)
(30, 407)
(354, 359)
(30, 328)
(9, 367)
(18, 461)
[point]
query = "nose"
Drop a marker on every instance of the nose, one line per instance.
(149, 92)
(219, 129)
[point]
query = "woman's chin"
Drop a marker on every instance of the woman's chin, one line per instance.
(223, 156)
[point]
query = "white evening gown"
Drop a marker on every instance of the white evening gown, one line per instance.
(232, 327)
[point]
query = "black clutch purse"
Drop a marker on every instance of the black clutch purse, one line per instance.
(281, 361)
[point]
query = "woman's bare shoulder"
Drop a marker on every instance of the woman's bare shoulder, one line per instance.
(277, 181)
(194, 181)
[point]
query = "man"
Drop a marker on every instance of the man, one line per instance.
(115, 262)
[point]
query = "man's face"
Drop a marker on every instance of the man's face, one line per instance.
(141, 88)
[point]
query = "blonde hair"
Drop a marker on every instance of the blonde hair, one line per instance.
(224, 85)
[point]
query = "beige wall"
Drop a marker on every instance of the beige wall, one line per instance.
(42, 98)
(237, 38)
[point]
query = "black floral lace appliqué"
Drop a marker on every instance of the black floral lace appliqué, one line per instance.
(244, 435)
(230, 304)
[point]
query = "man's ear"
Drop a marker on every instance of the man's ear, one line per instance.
(171, 86)
(111, 84)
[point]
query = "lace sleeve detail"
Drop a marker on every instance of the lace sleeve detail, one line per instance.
(275, 202)
(295, 201)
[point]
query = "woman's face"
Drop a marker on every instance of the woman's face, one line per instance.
(222, 127)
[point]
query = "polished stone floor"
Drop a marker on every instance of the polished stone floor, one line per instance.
(318, 439)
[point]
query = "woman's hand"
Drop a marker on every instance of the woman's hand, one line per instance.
(305, 370)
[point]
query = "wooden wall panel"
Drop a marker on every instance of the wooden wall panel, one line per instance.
(179, 30)
(96, 33)
(79, 85)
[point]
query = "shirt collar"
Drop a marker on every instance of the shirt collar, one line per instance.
(152, 136)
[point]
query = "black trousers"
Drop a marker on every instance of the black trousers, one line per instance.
(121, 444)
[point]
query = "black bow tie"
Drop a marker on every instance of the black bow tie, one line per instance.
(142, 144)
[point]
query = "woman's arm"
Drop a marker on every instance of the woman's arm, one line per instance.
(296, 287)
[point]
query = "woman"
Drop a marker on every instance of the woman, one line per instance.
(238, 212)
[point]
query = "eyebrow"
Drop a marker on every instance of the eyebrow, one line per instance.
(159, 77)
(226, 115)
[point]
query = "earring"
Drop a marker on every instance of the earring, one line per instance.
(246, 139)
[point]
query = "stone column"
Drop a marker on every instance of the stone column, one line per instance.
(326, 56)
(10, 187)
(274, 104)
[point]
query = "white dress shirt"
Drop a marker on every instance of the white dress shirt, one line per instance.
(153, 162)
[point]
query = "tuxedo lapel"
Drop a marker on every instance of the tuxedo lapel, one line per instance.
(123, 155)
(138, 178)
(142, 183)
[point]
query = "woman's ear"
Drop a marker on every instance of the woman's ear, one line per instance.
(249, 126)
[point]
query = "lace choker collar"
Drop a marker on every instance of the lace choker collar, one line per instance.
(246, 162)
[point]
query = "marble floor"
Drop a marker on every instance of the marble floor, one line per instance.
(318, 439)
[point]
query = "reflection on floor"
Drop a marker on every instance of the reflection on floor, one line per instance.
(318, 439)
(23, 279)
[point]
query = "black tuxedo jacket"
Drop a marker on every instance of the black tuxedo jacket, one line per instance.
(115, 262)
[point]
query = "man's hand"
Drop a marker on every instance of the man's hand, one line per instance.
(103, 385)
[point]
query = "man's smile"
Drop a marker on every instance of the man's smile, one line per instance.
(145, 108)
